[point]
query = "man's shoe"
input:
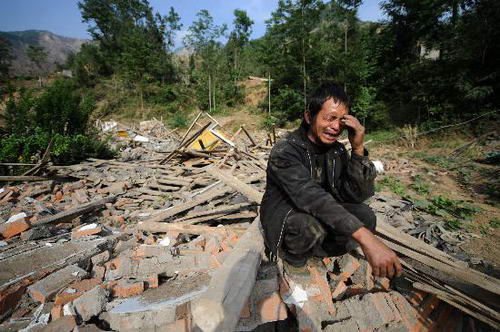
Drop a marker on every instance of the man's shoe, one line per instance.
(295, 270)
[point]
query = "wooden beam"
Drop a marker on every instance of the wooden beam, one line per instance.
(237, 184)
(186, 206)
(161, 227)
(219, 307)
(73, 213)
(24, 178)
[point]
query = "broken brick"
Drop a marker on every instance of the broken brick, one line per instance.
(10, 229)
(98, 272)
(348, 264)
(91, 303)
(339, 290)
(46, 288)
(100, 258)
(84, 231)
(245, 311)
(66, 297)
(56, 312)
(125, 288)
(152, 282)
(85, 284)
(63, 324)
(272, 308)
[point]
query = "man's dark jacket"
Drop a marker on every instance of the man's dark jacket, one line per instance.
(291, 187)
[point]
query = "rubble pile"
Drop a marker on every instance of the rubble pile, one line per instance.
(171, 242)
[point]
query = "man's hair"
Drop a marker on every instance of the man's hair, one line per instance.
(322, 94)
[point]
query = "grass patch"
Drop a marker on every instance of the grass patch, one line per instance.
(393, 184)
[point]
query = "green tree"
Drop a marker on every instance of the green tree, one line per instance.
(133, 40)
(37, 56)
(238, 40)
(6, 57)
(210, 74)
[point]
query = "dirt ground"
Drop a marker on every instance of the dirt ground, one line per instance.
(432, 169)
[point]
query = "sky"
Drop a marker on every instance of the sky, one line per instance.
(63, 17)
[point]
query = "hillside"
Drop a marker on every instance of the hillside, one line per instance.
(57, 47)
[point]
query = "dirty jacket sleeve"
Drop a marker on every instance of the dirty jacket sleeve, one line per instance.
(358, 178)
(294, 178)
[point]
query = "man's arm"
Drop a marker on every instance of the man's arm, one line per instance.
(382, 259)
(357, 180)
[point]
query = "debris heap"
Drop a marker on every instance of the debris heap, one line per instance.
(172, 242)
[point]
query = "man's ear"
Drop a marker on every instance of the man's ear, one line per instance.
(307, 117)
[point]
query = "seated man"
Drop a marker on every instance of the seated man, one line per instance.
(313, 200)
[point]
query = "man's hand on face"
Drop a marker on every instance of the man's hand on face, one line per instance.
(356, 133)
(383, 260)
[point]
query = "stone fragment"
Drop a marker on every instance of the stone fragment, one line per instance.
(91, 303)
(46, 288)
(63, 324)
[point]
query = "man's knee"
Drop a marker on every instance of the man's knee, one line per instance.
(364, 213)
(302, 232)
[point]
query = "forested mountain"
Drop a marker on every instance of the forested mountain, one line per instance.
(57, 49)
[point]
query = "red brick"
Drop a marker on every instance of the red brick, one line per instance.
(76, 234)
(100, 258)
(56, 312)
(113, 264)
(63, 324)
(150, 240)
(180, 325)
(272, 308)
(85, 284)
(14, 228)
(383, 283)
(65, 297)
(119, 219)
(324, 287)
(339, 289)
(98, 272)
(10, 297)
(348, 265)
(126, 289)
(212, 246)
(245, 311)
(152, 282)
(58, 196)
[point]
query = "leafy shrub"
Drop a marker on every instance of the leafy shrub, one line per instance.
(178, 120)
(61, 113)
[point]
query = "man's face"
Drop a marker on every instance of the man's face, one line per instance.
(326, 127)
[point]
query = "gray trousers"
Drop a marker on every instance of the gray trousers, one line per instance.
(305, 236)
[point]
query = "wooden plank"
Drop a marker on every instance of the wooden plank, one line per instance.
(238, 185)
(248, 135)
(161, 227)
(215, 211)
(73, 213)
(186, 206)
(449, 299)
(219, 307)
(23, 178)
(412, 243)
(463, 274)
